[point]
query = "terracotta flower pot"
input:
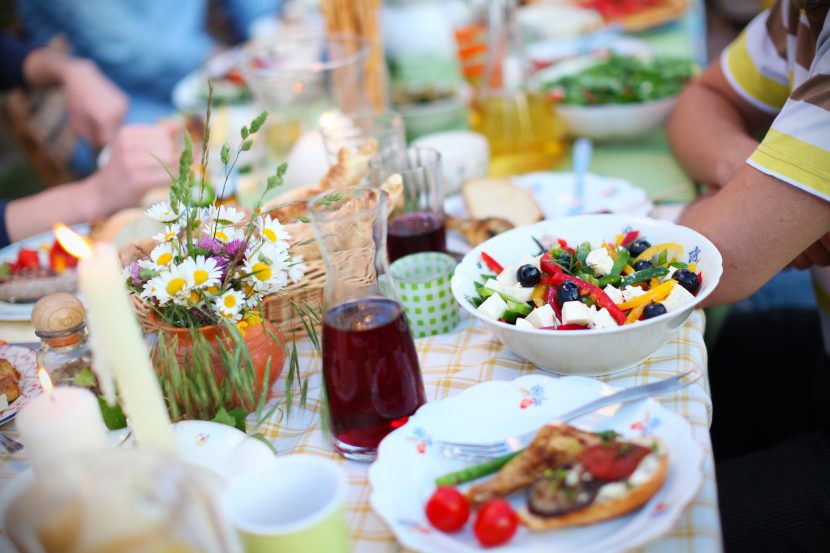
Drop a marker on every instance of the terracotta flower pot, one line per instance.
(260, 345)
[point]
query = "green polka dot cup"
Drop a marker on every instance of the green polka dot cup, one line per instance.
(422, 281)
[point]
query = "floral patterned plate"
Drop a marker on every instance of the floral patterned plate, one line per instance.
(23, 359)
(499, 409)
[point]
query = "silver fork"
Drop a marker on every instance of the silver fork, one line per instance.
(11, 446)
(473, 451)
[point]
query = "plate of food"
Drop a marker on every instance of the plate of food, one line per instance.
(489, 206)
(637, 15)
(18, 380)
(31, 269)
(229, 88)
(564, 493)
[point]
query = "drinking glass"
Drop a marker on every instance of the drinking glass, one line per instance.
(354, 129)
(417, 223)
(370, 366)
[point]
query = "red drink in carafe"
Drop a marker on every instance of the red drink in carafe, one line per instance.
(371, 372)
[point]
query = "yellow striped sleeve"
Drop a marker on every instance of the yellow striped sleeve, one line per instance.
(753, 68)
(795, 161)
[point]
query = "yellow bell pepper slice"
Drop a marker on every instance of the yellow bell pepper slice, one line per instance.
(655, 250)
(538, 294)
(654, 283)
(634, 315)
(618, 239)
(655, 294)
(628, 269)
(693, 267)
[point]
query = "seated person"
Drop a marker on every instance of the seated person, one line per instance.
(144, 47)
(770, 209)
(96, 109)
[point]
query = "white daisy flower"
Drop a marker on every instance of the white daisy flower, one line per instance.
(171, 232)
(161, 256)
(223, 234)
(224, 216)
(201, 272)
(232, 316)
(297, 269)
(271, 230)
(170, 286)
(162, 212)
(231, 301)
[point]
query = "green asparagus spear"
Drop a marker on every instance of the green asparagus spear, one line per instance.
(474, 472)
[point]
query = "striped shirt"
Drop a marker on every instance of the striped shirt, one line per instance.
(781, 64)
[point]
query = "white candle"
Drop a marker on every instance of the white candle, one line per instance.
(60, 424)
(112, 320)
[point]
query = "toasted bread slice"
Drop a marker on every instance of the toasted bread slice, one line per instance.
(634, 498)
(502, 199)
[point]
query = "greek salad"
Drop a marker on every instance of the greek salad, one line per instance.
(588, 287)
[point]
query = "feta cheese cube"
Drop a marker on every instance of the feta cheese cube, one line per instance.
(518, 292)
(631, 292)
(542, 316)
(522, 323)
(600, 261)
(614, 293)
(603, 319)
(508, 276)
(577, 313)
(494, 284)
(493, 307)
(677, 298)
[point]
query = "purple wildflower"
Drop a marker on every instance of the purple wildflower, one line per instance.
(212, 245)
(233, 248)
(135, 274)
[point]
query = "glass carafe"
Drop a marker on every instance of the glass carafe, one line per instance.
(524, 133)
(370, 366)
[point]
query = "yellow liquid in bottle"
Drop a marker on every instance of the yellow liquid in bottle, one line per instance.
(523, 131)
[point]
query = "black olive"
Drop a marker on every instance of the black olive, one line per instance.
(564, 259)
(687, 279)
(567, 291)
(528, 275)
(637, 247)
(553, 497)
(642, 265)
(653, 310)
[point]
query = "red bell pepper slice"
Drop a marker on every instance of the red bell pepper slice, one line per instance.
(563, 244)
(571, 327)
(27, 259)
(549, 266)
(491, 263)
(60, 259)
(629, 237)
(550, 298)
(594, 292)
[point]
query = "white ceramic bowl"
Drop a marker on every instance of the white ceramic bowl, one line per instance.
(464, 156)
(616, 121)
(589, 352)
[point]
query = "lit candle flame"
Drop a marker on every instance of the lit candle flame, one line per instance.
(73, 243)
(45, 381)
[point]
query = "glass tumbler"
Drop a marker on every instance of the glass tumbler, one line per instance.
(353, 130)
(370, 367)
(417, 224)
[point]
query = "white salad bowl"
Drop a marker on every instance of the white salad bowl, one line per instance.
(597, 351)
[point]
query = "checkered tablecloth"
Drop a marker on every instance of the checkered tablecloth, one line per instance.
(453, 362)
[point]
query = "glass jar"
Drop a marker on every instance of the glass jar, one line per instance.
(64, 352)
(370, 367)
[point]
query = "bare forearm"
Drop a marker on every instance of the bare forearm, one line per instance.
(69, 203)
(759, 224)
(708, 135)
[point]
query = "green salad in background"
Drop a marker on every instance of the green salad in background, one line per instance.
(622, 80)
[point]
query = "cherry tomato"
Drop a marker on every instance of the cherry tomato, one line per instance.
(448, 509)
(495, 523)
(27, 259)
(612, 461)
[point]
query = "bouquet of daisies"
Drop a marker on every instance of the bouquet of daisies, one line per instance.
(211, 265)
